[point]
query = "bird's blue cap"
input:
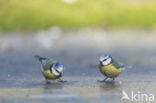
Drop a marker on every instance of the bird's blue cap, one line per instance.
(103, 56)
(58, 65)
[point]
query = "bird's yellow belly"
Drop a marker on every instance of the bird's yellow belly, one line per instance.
(110, 71)
(48, 75)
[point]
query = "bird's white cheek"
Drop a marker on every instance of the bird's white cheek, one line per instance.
(105, 63)
(108, 61)
(61, 70)
(55, 72)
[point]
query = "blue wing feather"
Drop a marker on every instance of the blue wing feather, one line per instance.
(119, 65)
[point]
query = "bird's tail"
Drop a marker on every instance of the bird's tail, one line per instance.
(128, 67)
(39, 58)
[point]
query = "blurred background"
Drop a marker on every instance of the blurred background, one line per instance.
(76, 32)
(69, 14)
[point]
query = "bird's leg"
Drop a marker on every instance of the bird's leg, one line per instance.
(62, 81)
(103, 80)
(47, 81)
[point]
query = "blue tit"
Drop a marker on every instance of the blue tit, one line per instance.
(110, 68)
(51, 69)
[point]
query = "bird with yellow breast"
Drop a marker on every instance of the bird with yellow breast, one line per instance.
(110, 68)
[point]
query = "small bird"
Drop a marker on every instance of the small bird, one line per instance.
(51, 69)
(110, 68)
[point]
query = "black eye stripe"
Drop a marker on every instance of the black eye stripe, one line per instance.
(54, 68)
(104, 59)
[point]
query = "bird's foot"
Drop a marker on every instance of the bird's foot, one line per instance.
(62, 81)
(112, 80)
(48, 82)
(102, 81)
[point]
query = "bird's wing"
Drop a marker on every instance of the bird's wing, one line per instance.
(120, 65)
(117, 64)
(49, 63)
